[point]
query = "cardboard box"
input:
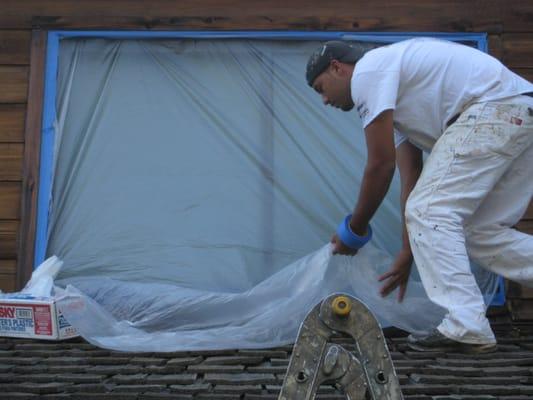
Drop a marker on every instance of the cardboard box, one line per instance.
(33, 317)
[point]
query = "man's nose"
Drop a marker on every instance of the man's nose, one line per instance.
(325, 100)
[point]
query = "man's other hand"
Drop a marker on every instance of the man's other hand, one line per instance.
(398, 275)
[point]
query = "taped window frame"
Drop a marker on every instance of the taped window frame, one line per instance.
(39, 164)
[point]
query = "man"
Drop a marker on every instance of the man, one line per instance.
(475, 118)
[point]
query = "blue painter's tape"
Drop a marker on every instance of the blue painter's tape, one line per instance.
(379, 37)
(499, 296)
(349, 238)
(47, 148)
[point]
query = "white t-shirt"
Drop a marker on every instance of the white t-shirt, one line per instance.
(427, 82)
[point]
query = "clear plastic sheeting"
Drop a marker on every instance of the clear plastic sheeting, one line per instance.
(268, 314)
(194, 181)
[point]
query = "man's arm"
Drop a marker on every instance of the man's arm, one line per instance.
(410, 163)
(379, 170)
(378, 174)
(409, 160)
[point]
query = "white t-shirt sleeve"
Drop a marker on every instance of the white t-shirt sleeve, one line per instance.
(374, 92)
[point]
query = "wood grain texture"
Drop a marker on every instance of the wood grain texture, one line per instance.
(8, 266)
(525, 226)
(10, 200)
(515, 290)
(12, 123)
(11, 161)
(401, 15)
(517, 50)
(521, 309)
(13, 84)
(495, 46)
(529, 212)
(7, 282)
(526, 73)
(30, 170)
(8, 239)
(15, 47)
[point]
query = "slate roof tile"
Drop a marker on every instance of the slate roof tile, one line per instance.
(88, 387)
(238, 389)
(217, 396)
(170, 379)
(74, 369)
(163, 369)
(114, 369)
(234, 360)
(139, 388)
(128, 379)
(191, 389)
(18, 396)
(202, 368)
(104, 396)
(37, 388)
(264, 353)
(185, 361)
(164, 396)
(242, 379)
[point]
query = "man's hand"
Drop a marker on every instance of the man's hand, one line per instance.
(398, 275)
(341, 248)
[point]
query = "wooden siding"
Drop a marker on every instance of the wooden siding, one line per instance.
(30, 167)
(508, 23)
(14, 67)
(12, 123)
(494, 16)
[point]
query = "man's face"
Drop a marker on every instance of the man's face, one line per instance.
(334, 86)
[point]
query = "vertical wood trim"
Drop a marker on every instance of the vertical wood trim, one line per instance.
(30, 172)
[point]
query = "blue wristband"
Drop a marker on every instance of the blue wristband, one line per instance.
(349, 238)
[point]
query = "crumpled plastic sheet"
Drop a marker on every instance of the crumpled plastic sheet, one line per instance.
(107, 313)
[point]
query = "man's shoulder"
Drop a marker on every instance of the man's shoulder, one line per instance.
(389, 57)
(381, 58)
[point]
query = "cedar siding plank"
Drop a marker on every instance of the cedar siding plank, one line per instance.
(12, 123)
(7, 275)
(521, 309)
(8, 239)
(10, 200)
(529, 212)
(30, 168)
(15, 47)
(400, 15)
(517, 50)
(517, 291)
(526, 225)
(493, 16)
(316, 22)
(517, 15)
(7, 282)
(11, 161)
(7, 266)
(526, 73)
(495, 46)
(13, 84)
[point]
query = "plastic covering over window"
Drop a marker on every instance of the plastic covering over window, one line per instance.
(196, 186)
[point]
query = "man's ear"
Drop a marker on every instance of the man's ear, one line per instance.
(335, 66)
